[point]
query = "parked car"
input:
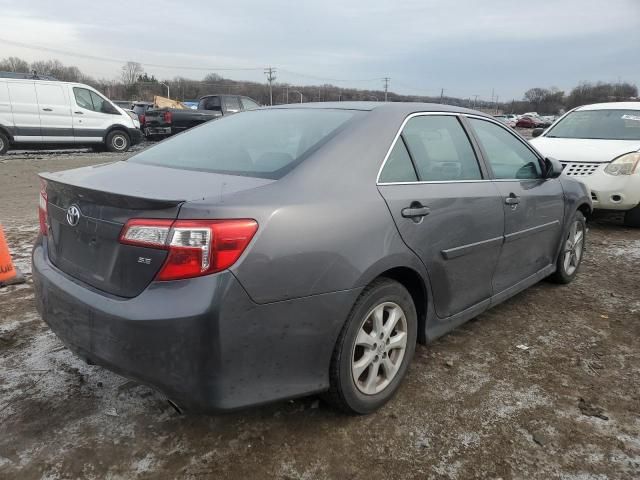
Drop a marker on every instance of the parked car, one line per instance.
(600, 145)
(140, 109)
(527, 121)
(506, 119)
(299, 249)
(36, 112)
(163, 122)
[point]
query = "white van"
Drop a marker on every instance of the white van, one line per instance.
(43, 111)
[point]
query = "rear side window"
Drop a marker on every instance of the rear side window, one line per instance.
(398, 167)
(509, 157)
(259, 143)
(440, 149)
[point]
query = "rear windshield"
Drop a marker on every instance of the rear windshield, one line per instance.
(599, 124)
(259, 143)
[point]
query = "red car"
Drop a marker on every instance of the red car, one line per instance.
(528, 122)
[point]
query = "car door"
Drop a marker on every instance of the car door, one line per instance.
(533, 205)
(90, 123)
(445, 208)
(56, 123)
(24, 107)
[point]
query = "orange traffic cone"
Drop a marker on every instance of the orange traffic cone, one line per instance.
(9, 275)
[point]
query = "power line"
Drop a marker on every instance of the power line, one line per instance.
(121, 61)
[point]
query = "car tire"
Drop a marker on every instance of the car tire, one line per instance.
(4, 143)
(118, 141)
(385, 356)
(572, 252)
(632, 217)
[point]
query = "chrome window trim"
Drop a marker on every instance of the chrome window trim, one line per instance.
(421, 182)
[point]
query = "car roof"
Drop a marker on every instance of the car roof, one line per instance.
(611, 106)
(395, 107)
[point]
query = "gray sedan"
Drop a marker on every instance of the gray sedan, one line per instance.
(299, 249)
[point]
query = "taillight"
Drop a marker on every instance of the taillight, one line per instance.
(141, 118)
(42, 208)
(196, 247)
(167, 117)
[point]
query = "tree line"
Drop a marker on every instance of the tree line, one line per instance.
(134, 83)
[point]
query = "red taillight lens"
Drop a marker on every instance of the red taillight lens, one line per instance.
(42, 208)
(167, 117)
(196, 247)
(142, 119)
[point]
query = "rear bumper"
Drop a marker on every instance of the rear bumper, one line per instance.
(157, 131)
(201, 341)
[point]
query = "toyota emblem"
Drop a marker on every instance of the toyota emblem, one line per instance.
(73, 215)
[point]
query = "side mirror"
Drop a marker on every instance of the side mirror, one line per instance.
(553, 167)
(536, 132)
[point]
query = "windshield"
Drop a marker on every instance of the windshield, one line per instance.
(259, 143)
(599, 124)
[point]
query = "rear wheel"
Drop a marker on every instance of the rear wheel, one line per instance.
(374, 349)
(4, 143)
(570, 257)
(118, 141)
(632, 217)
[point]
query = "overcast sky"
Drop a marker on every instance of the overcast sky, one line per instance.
(467, 47)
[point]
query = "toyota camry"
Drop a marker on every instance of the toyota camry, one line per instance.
(299, 249)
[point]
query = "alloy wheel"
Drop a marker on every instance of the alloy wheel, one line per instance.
(379, 348)
(573, 248)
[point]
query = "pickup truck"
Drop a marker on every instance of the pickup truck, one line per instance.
(162, 122)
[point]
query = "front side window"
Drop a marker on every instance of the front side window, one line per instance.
(260, 143)
(598, 124)
(249, 104)
(83, 98)
(440, 149)
(92, 101)
(509, 157)
(232, 104)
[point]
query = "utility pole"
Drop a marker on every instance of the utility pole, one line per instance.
(287, 93)
(386, 81)
(496, 107)
(475, 100)
(441, 94)
(271, 76)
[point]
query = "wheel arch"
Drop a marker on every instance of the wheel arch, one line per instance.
(415, 284)
(114, 127)
(6, 131)
(586, 210)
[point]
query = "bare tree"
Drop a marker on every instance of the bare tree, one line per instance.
(130, 72)
(14, 64)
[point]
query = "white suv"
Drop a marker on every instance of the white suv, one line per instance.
(36, 111)
(600, 145)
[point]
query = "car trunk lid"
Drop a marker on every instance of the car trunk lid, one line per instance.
(88, 207)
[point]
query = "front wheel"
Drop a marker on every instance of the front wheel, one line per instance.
(632, 217)
(374, 349)
(4, 143)
(572, 251)
(118, 141)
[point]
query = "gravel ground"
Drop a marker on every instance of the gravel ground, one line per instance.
(546, 385)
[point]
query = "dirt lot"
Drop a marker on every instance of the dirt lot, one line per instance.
(474, 405)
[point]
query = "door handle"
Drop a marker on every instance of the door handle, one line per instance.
(512, 200)
(78, 113)
(415, 211)
(47, 109)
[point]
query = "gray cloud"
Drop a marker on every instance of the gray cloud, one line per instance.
(467, 47)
